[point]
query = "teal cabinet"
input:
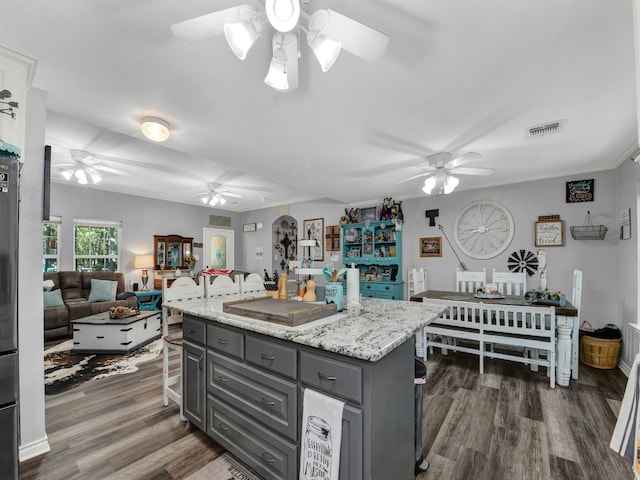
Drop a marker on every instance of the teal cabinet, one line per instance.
(375, 248)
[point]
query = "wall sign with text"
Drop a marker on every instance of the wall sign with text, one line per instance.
(579, 191)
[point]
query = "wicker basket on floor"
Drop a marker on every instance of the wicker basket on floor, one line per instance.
(599, 352)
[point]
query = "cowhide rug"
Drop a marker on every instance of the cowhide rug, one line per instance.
(64, 370)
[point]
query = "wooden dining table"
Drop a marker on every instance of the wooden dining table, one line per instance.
(567, 326)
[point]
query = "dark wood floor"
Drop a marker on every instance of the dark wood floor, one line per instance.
(505, 424)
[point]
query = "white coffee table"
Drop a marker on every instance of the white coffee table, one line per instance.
(100, 334)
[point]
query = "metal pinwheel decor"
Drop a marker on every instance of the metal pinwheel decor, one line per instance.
(523, 260)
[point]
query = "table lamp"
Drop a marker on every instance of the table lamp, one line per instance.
(144, 262)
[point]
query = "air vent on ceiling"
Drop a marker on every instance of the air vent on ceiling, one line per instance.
(545, 129)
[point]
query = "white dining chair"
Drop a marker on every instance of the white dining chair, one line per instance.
(470, 281)
(220, 286)
(182, 288)
(251, 286)
(416, 281)
(510, 283)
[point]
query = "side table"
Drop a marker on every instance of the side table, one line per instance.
(149, 299)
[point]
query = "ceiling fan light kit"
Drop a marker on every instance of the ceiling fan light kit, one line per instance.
(283, 15)
(82, 175)
(325, 49)
(155, 129)
(243, 34)
(277, 76)
(328, 32)
(213, 200)
(440, 182)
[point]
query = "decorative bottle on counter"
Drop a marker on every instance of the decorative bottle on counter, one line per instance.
(310, 295)
(282, 287)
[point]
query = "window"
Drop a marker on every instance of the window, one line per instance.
(96, 245)
(51, 244)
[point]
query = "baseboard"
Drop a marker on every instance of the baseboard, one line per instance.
(34, 449)
(624, 368)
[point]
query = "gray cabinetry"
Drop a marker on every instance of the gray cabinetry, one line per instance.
(253, 388)
(194, 393)
(194, 401)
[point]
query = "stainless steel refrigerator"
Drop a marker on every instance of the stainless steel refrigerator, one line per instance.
(8, 318)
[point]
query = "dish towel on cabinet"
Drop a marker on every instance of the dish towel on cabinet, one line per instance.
(321, 436)
(625, 439)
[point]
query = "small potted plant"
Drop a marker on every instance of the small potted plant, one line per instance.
(190, 261)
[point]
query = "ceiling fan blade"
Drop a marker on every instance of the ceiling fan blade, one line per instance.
(229, 194)
(115, 171)
(355, 37)
(396, 143)
(251, 187)
(227, 176)
(415, 176)
(471, 171)
(462, 159)
(206, 26)
(80, 155)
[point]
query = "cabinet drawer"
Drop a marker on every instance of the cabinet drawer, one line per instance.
(267, 454)
(331, 375)
(384, 294)
(271, 356)
(225, 341)
(193, 329)
(266, 398)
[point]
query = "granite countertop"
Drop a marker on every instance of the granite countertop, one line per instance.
(382, 326)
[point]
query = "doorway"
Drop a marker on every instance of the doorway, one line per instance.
(217, 248)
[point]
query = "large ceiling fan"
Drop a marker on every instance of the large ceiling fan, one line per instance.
(218, 190)
(327, 33)
(440, 168)
(86, 166)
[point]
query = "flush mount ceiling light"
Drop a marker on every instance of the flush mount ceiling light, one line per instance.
(155, 129)
(328, 33)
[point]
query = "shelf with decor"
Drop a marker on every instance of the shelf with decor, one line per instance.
(375, 248)
(172, 254)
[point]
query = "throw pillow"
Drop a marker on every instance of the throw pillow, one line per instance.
(53, 299)
(125, 295)
(103, 290)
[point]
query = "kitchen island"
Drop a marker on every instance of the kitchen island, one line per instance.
(243, 381)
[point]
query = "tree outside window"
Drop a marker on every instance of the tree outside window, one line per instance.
(51, 245)
(96, 246)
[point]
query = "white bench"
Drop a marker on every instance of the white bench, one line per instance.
(531, 328)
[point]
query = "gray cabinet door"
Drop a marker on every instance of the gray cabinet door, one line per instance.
(351, 444)
(194, 384)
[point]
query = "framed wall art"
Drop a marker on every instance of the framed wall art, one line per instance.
(579, 191)
(369, 213)
(332, 237)
(549, 233)
(431, 247)
(313, 229)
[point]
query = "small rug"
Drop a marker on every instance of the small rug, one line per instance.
(225, 467)
(64, 370)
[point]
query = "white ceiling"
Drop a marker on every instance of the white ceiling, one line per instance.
(458, 76)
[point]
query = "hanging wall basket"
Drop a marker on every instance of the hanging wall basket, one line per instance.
(589, 231)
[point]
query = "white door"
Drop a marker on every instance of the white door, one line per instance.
(217, 248)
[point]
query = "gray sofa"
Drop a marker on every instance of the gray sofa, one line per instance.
(76, 289)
